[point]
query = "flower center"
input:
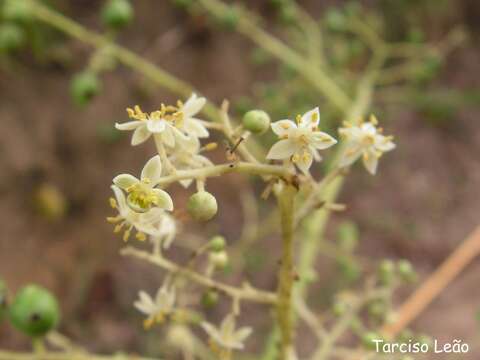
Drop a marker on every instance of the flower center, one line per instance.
(141, 196)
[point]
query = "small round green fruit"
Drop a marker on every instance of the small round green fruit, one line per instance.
(84, 87)
(12, 37)
(217, 243)
(34, 311)
(210, 299)
(202, 206)
(386, 272)
(256, 121)
(369, 340)
(406, 271)
(117, 13)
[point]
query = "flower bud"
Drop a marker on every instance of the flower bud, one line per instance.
(34, 311)
(202, 206)
(386, 272)
(339, 308)
(209, 299)
(406, 271)
(117, 13)
(256, 121)
(84, 87)
(219, 259)
(377, 309)
(217, 243)
(12, 37)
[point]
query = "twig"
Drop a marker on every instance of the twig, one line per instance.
(244, 293)
(436, 283)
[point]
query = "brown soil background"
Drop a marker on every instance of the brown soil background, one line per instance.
(421, 205)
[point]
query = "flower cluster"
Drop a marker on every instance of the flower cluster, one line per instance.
(144, 206)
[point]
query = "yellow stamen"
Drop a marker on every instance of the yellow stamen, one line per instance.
(373, 120)
(141, 236)
(113, 203)
(210, 146)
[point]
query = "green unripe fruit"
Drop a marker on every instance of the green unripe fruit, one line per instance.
(256, 121)
(368, 340)
(335, 20)
(34, 311)
(230, 19)
(339, 308)
(217, 243)
(202, 206)
(117, 13)
(386, 272)
(17, 10)
(406, 271)
(219, 259)
(84, 87)
(210, 299)
(3, 299)
(377, 309)
(12, 37)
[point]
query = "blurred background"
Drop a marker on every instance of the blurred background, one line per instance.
(59, 152)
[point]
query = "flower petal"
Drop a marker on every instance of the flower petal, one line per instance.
(167, 137)
(152, 170)
(282, 149)
(140, 135)
(129, 125)
(124, 181)
(370, 161)
(321, 140)
(350, 155)
(194, 127)
(121, 201)
(193, 105)
(310, 118)
(243, 333)
(304, 162)
(282, 127)
(156, 126)
(164, 200)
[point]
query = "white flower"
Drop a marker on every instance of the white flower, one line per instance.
(127, 219)
(156, 309)
(169, 124)
(163, 123)
(191, 125)
(300, 142)
(142, 194)
(167, 229)
(187, 157)
(364, 140)
(226, 336)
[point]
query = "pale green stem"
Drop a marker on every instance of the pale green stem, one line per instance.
(217, 170)
(245, 292)
(318, 78)
(286, 200)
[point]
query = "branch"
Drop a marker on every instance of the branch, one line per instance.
(217, 170)
(244, 293)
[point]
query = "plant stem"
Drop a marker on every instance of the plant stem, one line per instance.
(243, 293)
(318, 78)
(217, 170)
(286, 276)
